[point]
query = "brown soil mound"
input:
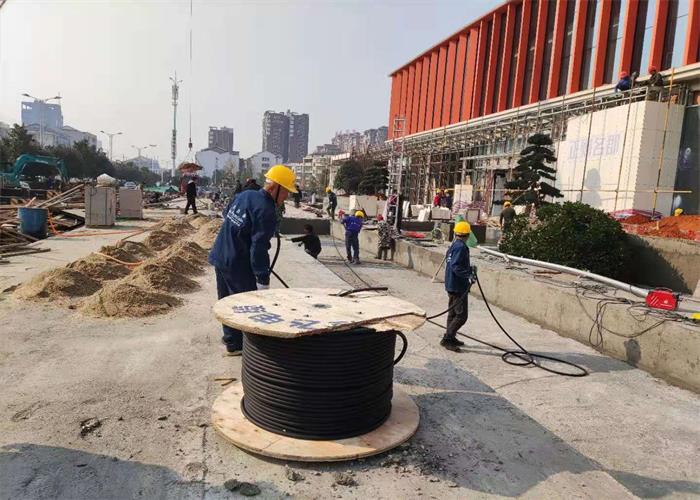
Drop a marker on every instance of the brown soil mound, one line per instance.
(161, 277)
(206, 234)
(178, 265)
(118, 253)
(197, 220)
(120, 299)
(178, 226)
(160, 240)
(636, 219)
(99, 268)
(138, 250)
(62, 283)
(684, 227)
(189, 251)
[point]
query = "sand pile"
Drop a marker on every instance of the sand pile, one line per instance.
(119, 253)
(177, 226)
(180, 266)
(159, 240)
(189, 251)
(206, 234)
(99, 268)
(138, 250)
(121, 299)
(62, 283)
(162, 277)
(196, 220)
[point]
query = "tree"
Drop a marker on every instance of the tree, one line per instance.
(349, 176)
(95, 162)
(18, 142)
(73, 160)
(374, 180)
(527, 187)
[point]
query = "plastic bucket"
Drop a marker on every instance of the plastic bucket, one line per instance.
(32, 221)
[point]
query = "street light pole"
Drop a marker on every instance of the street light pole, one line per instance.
(41, 119)
(111, 136)
(142, 148)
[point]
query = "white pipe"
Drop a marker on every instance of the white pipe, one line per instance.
(634, 290)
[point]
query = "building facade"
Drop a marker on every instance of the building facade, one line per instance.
(216, 158)
(298, 136)
(460, 112)
(37, 112)
(221, 137)
(286, 134)
(261, 162)
(151, 164)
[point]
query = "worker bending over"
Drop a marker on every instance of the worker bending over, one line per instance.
(311, 242)
(240, 252)
(353, 226)
(458, 281)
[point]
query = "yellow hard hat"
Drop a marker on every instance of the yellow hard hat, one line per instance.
(328, 189)
(284, 176)
(677, 212)
(462, 228)
(507, 204)
(359, 213)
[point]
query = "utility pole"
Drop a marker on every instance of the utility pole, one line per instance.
(111, 136)
(173, 141)
(42, 114)
(141, 148)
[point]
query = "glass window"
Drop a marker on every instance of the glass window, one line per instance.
(547, 57)
(589, 45)
(514, 55)
(498, 49)
(566, 47)
(643, 33)
(676, 31)
(529, 63)
(484, 78)
(614, 41)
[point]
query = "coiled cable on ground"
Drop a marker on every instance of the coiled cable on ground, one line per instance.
(320, 387)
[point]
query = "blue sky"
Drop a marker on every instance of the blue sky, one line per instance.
(111, 60)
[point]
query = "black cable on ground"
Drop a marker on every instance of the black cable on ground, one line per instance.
(368, 289)
(319, 387)
(274, 261)
(345, 261)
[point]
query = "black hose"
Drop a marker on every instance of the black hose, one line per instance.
(367, 289)
(319, 387)
(274, 261)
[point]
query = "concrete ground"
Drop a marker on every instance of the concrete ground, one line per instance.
(487, 429)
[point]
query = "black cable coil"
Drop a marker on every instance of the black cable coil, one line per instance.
(319, 387)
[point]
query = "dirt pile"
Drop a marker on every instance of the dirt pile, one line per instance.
(118, 253)
(636, 219)
(196, 220)
(99, 268)
(206, 234)
(120, 299)
(62, 283)
(180, 266)
(189, 251)
(685, 227)
(138, 250)
(159, 240)
(159, 276)
(177, 226)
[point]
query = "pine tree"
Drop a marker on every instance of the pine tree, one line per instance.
(527, 188)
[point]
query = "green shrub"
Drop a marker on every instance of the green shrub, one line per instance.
(572, 234)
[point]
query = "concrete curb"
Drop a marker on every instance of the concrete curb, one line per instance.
(668, 350)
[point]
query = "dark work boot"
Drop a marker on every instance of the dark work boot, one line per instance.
(450, 344)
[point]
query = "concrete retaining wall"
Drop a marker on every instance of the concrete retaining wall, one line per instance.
(669, 350)
(665, 262)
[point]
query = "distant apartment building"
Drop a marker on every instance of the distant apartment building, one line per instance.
(298, 136)
(145, 162)
(374, 137)
(216, 158)
(348, 141)
(327, 149)
(221, 137)
(4, 130)
(260, 162)
(37, 112)
(286, 134)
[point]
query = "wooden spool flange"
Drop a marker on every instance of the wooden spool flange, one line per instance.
(293, 313)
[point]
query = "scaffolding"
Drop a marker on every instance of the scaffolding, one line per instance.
(472, 152)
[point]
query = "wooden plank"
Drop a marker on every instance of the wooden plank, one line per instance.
(296, 312)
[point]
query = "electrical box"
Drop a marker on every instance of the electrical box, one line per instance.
(100, 206)
(130, 203)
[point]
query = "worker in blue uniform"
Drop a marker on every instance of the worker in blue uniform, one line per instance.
(240, 252)
(353, 226)
(458, 281)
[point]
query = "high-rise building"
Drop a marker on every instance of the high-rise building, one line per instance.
(221, 137)
(298, 136)
(286, 135)
(42, 113)
(374, 137)
(275, 134)
(348, 141)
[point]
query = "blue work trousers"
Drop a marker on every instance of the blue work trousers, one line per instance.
(352, 245)
(230, 284)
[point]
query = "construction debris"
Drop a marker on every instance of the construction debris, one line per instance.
(245, 489)
(61, 283)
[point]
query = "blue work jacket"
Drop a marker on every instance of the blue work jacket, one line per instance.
(242, 245)
(352, 224)
(458, 271)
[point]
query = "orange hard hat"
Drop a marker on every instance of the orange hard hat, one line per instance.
(652, 69)
(624, 74)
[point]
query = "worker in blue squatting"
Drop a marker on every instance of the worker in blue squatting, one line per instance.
(458, 281)
(240, 251)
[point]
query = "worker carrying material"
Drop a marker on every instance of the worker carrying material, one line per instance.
(240, 252)
(353, 226)
(332, 202)
(458, 281)
(311, 242)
